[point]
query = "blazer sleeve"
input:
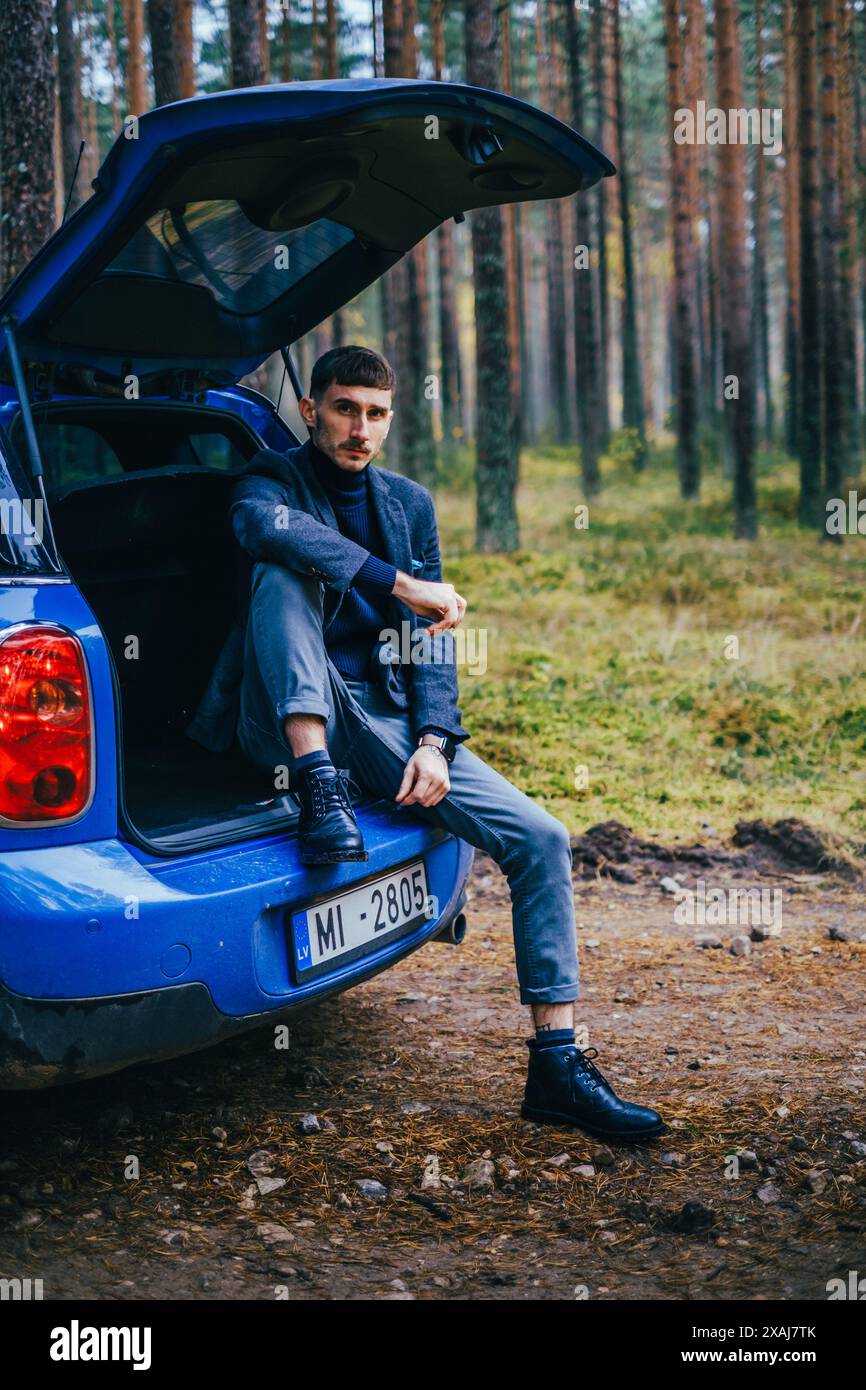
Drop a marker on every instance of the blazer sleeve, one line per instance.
(269, 529)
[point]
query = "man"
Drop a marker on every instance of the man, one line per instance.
(317, 523)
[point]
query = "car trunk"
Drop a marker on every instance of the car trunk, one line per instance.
(153, 552)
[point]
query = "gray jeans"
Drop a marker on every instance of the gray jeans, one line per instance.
(288, 671)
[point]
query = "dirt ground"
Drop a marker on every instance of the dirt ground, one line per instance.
(421, 1071)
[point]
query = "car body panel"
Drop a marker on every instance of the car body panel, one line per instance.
(108, 918)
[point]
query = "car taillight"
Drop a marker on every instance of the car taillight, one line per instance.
(46, 757)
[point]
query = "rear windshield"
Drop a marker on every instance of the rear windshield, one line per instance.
(24, 537)
(214, 245)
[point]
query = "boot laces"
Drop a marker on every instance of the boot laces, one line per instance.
(332, 793)
(583, 1063)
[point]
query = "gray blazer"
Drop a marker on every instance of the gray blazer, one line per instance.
(307, 538)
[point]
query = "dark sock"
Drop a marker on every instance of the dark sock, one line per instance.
(554, 1037)
(320, 757)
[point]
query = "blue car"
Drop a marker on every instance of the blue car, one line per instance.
(151, 896)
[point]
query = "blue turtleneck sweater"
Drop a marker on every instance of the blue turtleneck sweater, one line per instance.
(364, 611)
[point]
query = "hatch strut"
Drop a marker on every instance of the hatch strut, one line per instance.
(9, 326)
(298, 389)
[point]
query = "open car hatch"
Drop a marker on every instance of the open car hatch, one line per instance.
(224, 227)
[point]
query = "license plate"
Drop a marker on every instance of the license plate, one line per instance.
(353, 924)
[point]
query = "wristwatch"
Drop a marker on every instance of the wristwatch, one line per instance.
(442, 743)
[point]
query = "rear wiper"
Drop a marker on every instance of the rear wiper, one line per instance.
(9, 325)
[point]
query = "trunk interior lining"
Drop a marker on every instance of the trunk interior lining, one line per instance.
(153, 552)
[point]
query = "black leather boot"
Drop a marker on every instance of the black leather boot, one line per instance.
(327, 831)
(564, 1088)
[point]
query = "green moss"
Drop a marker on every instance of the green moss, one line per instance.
(696, 677)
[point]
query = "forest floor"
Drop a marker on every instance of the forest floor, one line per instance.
(420, 1071)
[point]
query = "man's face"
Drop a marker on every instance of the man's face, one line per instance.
(349, 423)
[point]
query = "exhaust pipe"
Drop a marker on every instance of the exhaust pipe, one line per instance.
(455, 931)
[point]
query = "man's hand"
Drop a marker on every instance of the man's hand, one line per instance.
(431, 600)
(425, 777)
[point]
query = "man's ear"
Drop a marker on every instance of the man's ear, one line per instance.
(307, 408)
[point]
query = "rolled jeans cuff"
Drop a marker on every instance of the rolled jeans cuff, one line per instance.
(551, 994)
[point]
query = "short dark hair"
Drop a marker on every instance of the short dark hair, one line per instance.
(352, 366)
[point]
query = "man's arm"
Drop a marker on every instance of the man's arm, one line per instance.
(269, 529)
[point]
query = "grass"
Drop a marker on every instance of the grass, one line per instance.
(694, 676)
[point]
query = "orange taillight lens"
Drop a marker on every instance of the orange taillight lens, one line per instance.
(46, 757)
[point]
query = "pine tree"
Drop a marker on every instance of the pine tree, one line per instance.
(737, 357)
(497, 463)
(27, 109)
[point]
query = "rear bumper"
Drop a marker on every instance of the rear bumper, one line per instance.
(109, 956)
(51, 1042)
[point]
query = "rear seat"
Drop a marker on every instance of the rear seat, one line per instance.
(157, 560)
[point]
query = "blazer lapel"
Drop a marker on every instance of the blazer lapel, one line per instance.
(318, 496)
(392, 521)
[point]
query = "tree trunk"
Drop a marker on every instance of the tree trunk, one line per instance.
(89, 66)
(392, 58)
(497, 462)
(684, 316)
(332, 54)
(833, 368)
(860, 145)
(849, 267)
(734, 286)
(113, 65)
(27, 111)
(166, 80)
(449, 340)
(405, 309)
(314, 42)
(762, 241)
(136, 78)
(264, 41)
(509, 229)
(522, 233)
(183, 15)
(792, 232)
(599, 64)
(69, 101)
(585, 342)
(809, 432)
(245, 43)
(633, 414)
(696, 87)
(556, 354)
(375, 17)
(331, 22)
(249, 68)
